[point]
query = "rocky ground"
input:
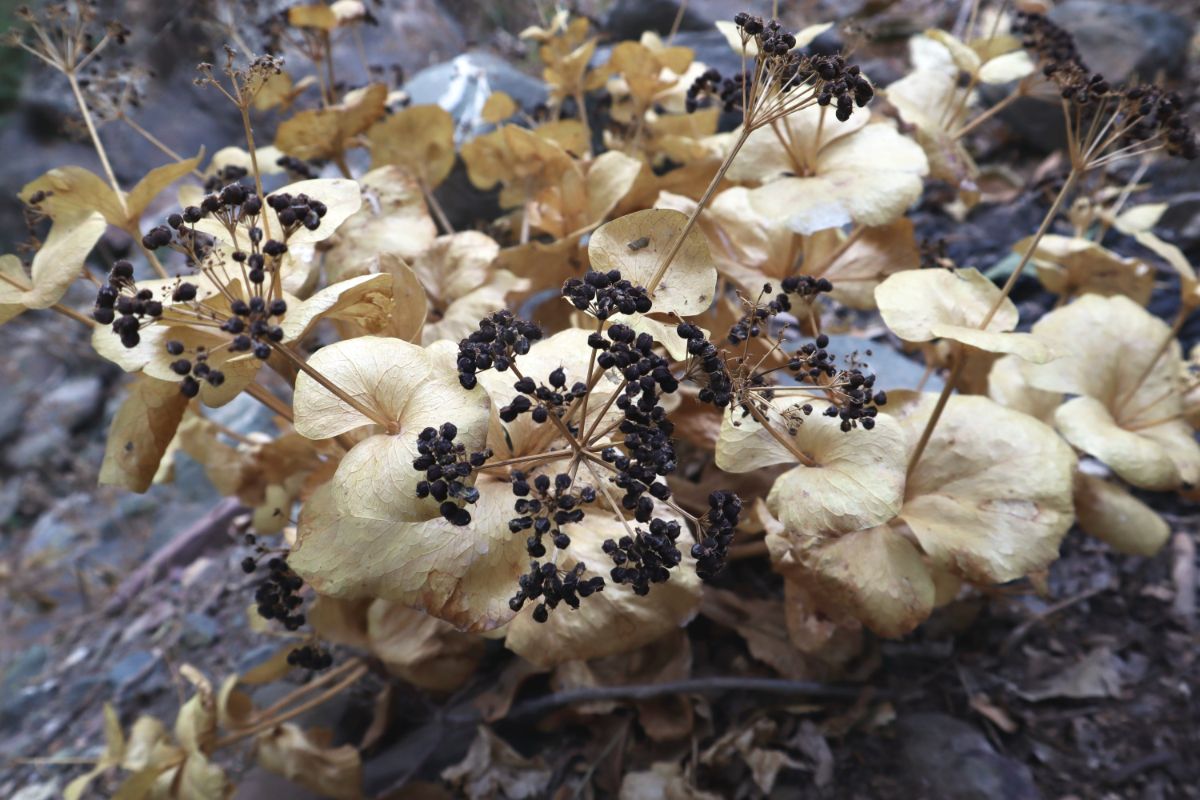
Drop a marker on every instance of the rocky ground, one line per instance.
(1088, 693)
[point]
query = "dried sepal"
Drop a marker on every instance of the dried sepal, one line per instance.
(1125, 366)
(1109, 512)
(636, 245)
(418, 139)
(309, 759)
(326, 133)
(856, 480)
(870, 176)
(990, 498)
(57, 264)
(141, 432)
(1072, 266)
(615, 620)
(920, 305)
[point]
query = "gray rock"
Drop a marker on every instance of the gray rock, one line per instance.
(69, 405)
(138, 671)
(463, 84)
(944, 758)
(16, 696)
(199, 630)
(47, 790)
(60, 528)
(1119, 40)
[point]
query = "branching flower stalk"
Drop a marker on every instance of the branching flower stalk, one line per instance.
(1104, 126)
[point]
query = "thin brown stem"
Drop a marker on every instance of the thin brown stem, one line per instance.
(264, 395)
(1176, 326)
(677, 245)
(390, 425)
(157, 143)
(787, 443)
(435, 207)
(1047, 221)
(96, 143)
(956, 369)
(325, 696)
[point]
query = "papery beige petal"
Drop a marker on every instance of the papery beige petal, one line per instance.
(75, 192)
(392, 220)
(615, 620)
(807, 133)
(1007, 386)
(1007, 67)
(141, 432)
(326, 133)
(59, 261)
(913, 303)
(464, 576)
(455, 265)
(858, 481)
(567, 350)
(876, 254)
(423, 650)
(1087, 424)
(690, 282)
(1069, 265)
(13, 285)
(1110, 513)
(155, 181)
(418, 139)
(1107, 345)
(874, 576)
(462, 316)
(964, 58)
(354, 298)
(381, 373)
(308, 759)
(609, 178)
(990, 498)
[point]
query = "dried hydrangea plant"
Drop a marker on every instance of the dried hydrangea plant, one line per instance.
(500, 432)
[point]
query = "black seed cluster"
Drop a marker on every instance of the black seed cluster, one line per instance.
(310, 657)
(832, 80)
(751, 324)
(499, 339)
(851, 391)
(540, 400)
(605, 294)
(717, 529)
(646, 558)
(278, 595)
(1144, 112)
(447, 465)
(649, 452)
(121, 304)
(707, 366)
(230, 173)
(294, 212)
(544, 506)
(545, 582)
(297, 169)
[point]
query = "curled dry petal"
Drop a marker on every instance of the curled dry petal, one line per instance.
(1126, 367)
(1110, 513)
(857, 481)
(920, 305)
(990, 498)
